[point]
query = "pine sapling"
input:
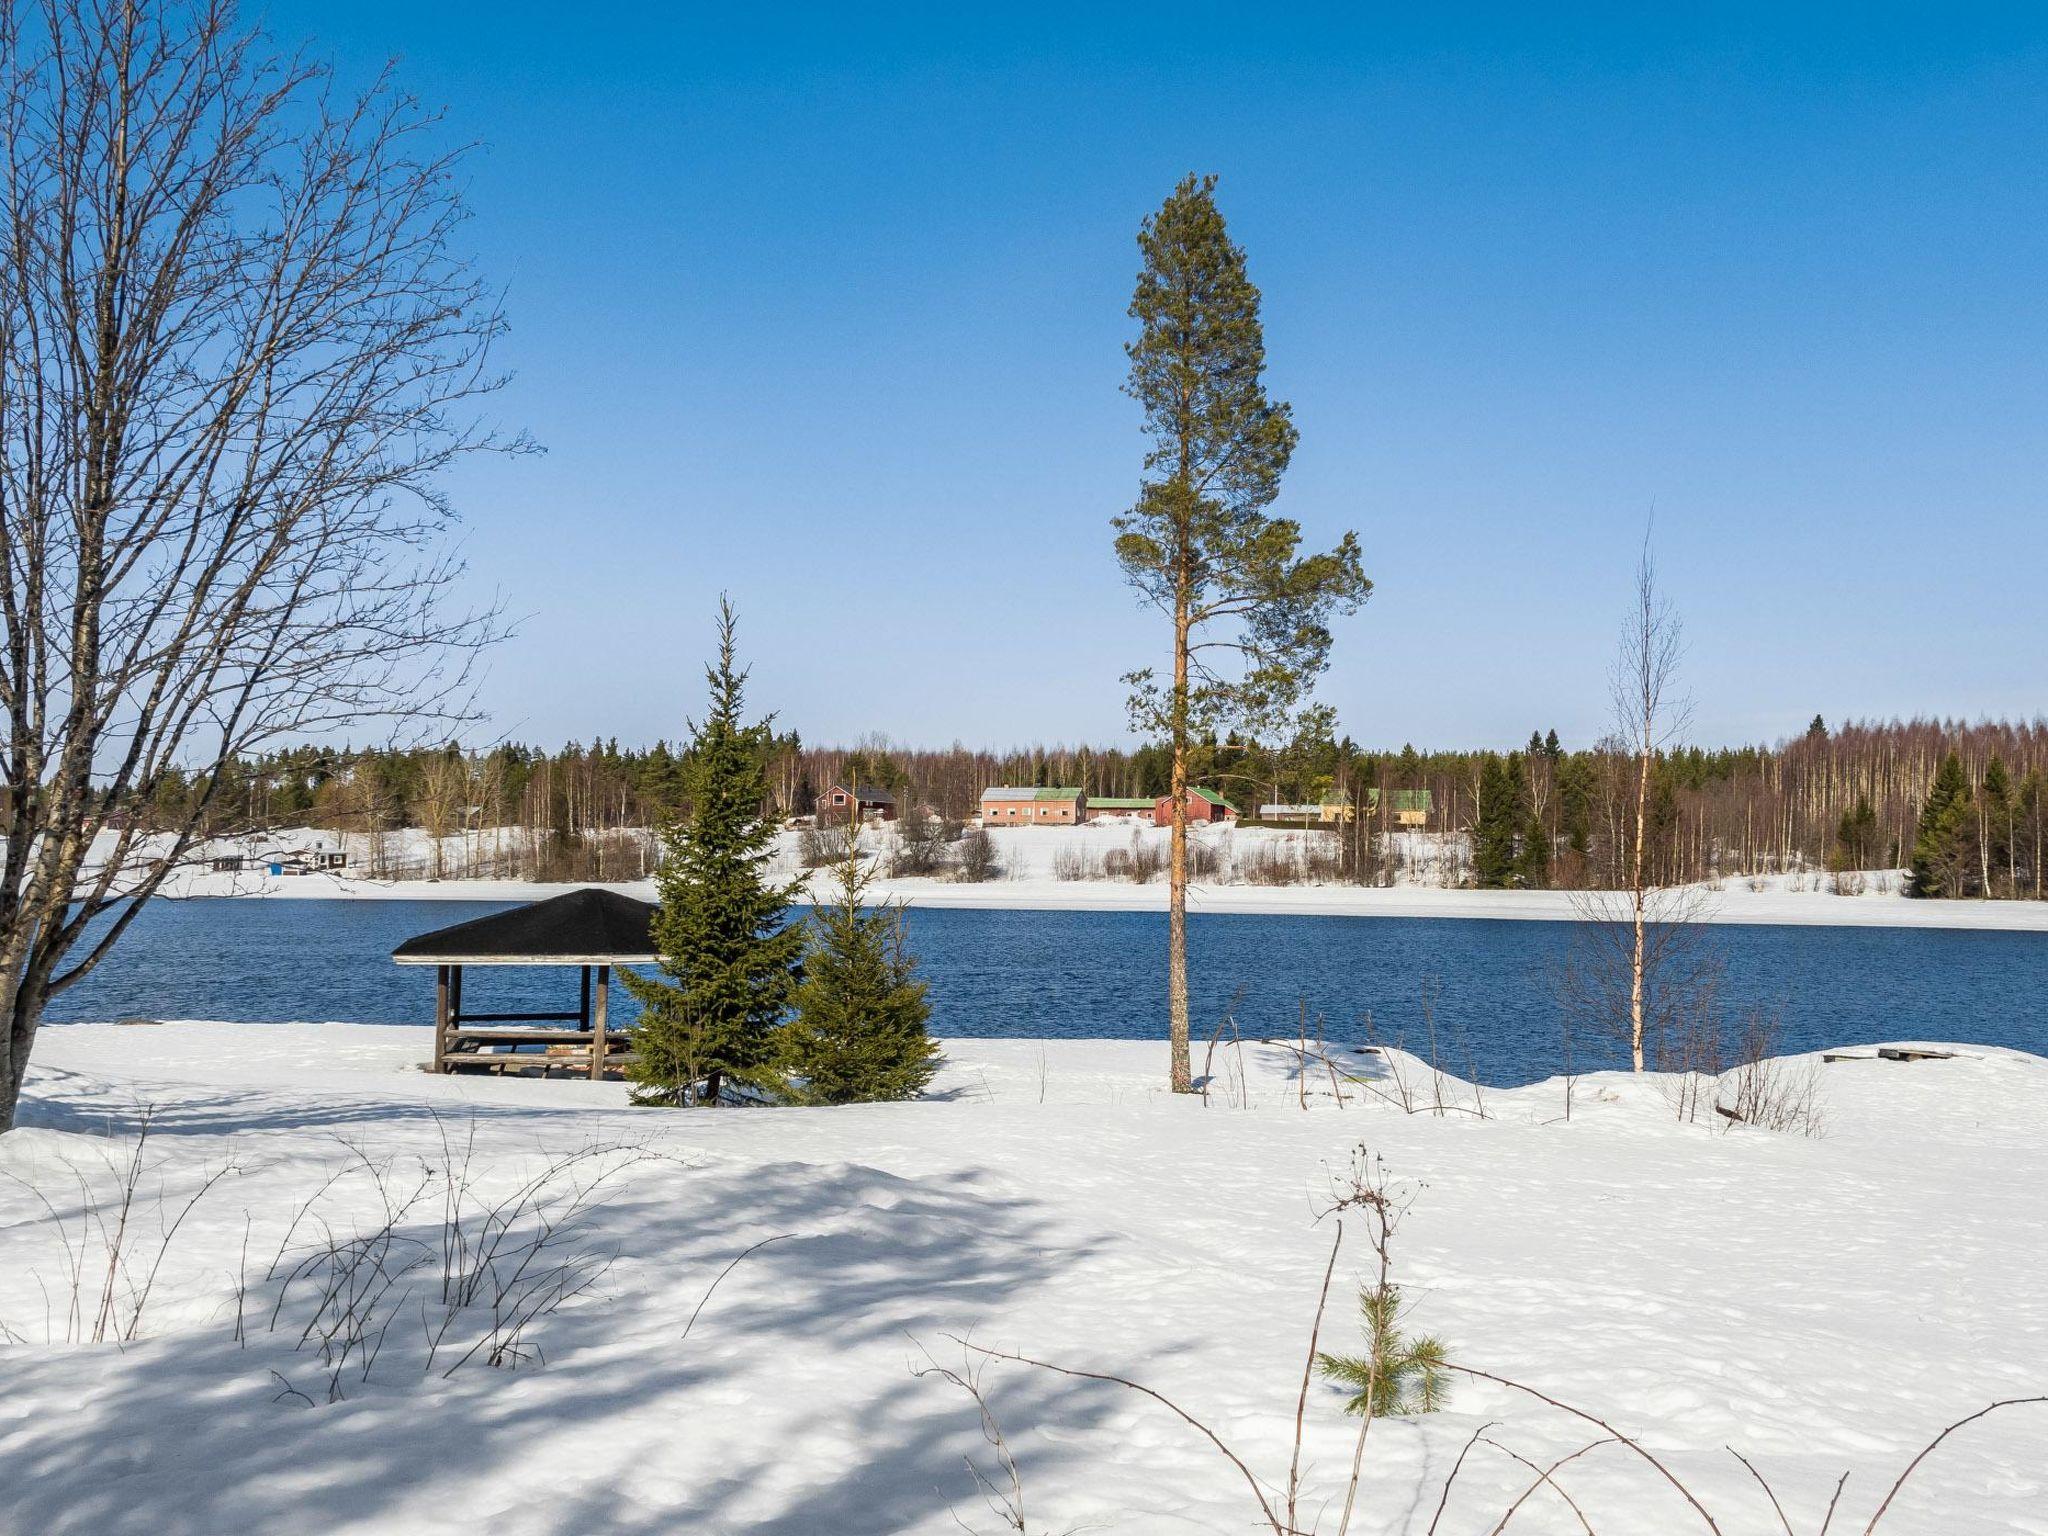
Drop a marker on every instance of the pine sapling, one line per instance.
(1397, 1376)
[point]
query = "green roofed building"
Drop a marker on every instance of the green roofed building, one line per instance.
(1409, 807)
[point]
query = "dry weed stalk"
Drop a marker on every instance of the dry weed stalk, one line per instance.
(516, 1258)
(126, 1264)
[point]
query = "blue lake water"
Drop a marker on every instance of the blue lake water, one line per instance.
(1054, 975)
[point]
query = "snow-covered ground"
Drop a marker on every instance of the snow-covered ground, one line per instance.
(1821, 1305)
(1030, 859)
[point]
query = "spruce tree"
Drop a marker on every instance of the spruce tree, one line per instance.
(859, 1031)
(1499, 818)
(730, 959)
(1940, 864)
(1997, 822)
(1856, 835)
(1532, 865)
(1575, 805)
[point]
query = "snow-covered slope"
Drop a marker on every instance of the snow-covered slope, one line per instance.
(1821, 1305)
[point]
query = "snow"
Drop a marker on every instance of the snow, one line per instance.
(1820, 1304)
(1028, 857)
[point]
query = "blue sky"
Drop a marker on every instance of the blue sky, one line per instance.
(824, 308)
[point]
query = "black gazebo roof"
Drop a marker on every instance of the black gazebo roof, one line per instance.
(586, 926)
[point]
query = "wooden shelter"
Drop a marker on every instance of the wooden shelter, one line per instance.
(590, 929)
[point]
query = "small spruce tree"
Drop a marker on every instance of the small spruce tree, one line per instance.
(859, 1031)
(1856, 836)
(730, 959)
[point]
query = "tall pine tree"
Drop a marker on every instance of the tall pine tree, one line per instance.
(1249, 610)
(859, 1031)
(730, 958)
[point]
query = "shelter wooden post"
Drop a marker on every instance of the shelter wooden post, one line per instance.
(600, 1042)
(440, 1018)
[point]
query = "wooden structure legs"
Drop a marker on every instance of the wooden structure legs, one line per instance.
(491, 1042)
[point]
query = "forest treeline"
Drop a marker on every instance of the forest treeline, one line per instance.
(1851, 797)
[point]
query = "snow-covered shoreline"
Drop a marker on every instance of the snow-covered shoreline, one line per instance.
(1036, 871)
(1821, 1304)
(1780, 902)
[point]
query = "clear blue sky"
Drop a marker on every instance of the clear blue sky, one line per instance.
(825, 308)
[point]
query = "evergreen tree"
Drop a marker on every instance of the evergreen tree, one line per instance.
(1941, 862)
(1997, 823)
(1498, 820)
(1856, 836)
(2031, 833)
(859, 1031)
(1397, 1375)
(1532, 866)
(1552, 747)
(1818, 730)
(1249, 610)
(1575, 805)
(730, 960)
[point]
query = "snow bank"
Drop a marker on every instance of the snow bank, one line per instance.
(1820, 1304)
(1030, 858)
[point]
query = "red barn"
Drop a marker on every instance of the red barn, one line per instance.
(1203, 805)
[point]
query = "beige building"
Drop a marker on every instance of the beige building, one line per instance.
(1028, 807)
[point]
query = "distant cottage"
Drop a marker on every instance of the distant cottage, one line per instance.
(1411, 807)
(834, 801)
(1309, 813)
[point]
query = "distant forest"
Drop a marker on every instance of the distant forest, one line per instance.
(1850, 797)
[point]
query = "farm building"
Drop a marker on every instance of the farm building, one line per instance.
(1410, 807)
(1204, 805)
(1027, 807)
(1112, 805)
(834, 800)
(1314, 813)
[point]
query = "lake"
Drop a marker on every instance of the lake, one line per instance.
(1060, 975)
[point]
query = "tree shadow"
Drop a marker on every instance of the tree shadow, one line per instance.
(192, 1432)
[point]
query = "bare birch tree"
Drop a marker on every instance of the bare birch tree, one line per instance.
(237, 347)
(1636, 966)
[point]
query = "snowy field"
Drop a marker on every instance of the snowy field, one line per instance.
(1029, 858)
(1820, 1304)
